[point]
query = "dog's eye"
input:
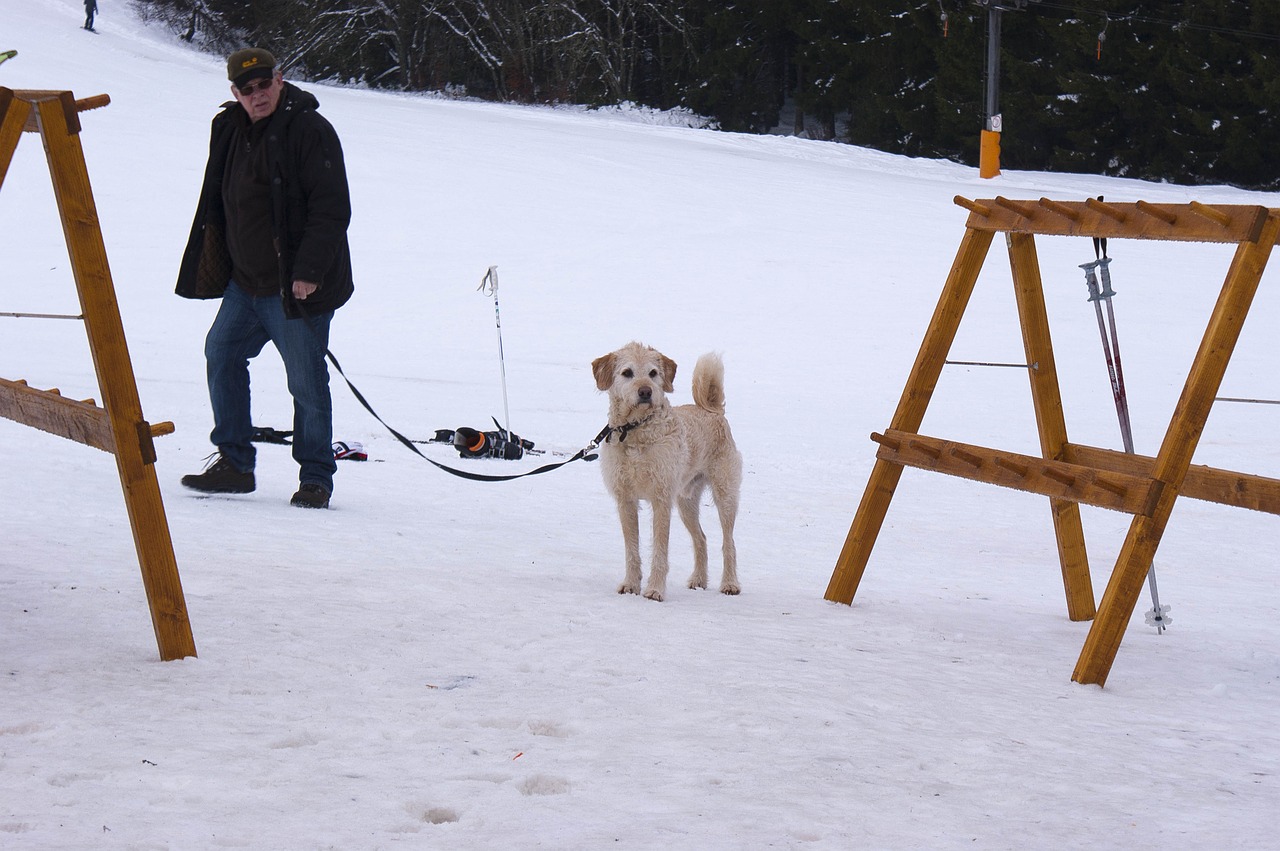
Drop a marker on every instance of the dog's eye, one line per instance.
(627, 373)
(653, 373)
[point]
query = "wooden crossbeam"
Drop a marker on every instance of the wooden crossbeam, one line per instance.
(1194, 222)
(1209, 484)
(1119, 491)
(1104, 478)
(81, 421)
(51, 412)
(69, 104)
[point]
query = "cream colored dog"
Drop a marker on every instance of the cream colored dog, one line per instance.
(668, 456)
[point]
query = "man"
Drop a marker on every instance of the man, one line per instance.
(270, 239)
(90, 7)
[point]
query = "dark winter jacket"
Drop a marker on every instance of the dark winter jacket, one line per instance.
(311, 206)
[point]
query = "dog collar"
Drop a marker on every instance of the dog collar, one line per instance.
(623, 430)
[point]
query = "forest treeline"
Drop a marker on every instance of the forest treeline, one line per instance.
(1180, 91)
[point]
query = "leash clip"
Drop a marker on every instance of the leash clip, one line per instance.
(589, 451)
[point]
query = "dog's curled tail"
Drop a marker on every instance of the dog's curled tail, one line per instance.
(708, 383)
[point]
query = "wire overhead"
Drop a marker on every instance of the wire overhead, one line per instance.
(1080, 9)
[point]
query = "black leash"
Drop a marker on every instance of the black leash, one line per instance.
(586, 452)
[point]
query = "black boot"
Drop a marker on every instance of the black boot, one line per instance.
(220, 477)
(310, 495)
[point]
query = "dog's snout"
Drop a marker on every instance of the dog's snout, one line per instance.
(645, 394)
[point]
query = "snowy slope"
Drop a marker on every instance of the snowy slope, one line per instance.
(439, 663)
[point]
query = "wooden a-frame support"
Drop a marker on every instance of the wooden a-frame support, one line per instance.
(1068, 473)
(118, 426)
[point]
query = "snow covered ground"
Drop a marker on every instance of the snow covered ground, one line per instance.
(439, 663)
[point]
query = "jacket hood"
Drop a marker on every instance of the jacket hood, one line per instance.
(296, 99)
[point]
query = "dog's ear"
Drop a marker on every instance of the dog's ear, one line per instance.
(602, 369)
(668, 373)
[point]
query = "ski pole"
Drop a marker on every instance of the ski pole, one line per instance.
(1117, 392)
(1158, 616)
(1122, 406)
(489, 286)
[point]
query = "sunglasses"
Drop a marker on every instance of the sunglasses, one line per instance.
(257, 86)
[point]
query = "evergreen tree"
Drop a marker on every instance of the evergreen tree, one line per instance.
(1230, 118)
(958, 102)
(1181, 95)
(1180, 90)
(740, 69)
(893, 78)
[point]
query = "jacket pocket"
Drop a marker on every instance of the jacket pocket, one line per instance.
(214, 270)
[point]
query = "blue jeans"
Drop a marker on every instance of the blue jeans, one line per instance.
(242, 327)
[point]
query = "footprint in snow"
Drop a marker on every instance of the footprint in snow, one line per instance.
(543, 784)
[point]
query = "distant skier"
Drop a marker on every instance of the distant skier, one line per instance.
(90, 7)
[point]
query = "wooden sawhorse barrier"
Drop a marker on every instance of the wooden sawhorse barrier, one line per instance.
(1068, 473)
(118, 427)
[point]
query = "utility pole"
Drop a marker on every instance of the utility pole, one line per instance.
(993, 123)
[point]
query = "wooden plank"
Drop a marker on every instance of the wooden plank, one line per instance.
(55, 414)
(13, 117)
(1061, 480)
(1209, 484)
(105, 330)
(1174, 458)
(852, 561)
(1051, 426)
(1229, 223)
(70, 105)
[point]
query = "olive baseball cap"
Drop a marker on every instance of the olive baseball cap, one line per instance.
(249, 64)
